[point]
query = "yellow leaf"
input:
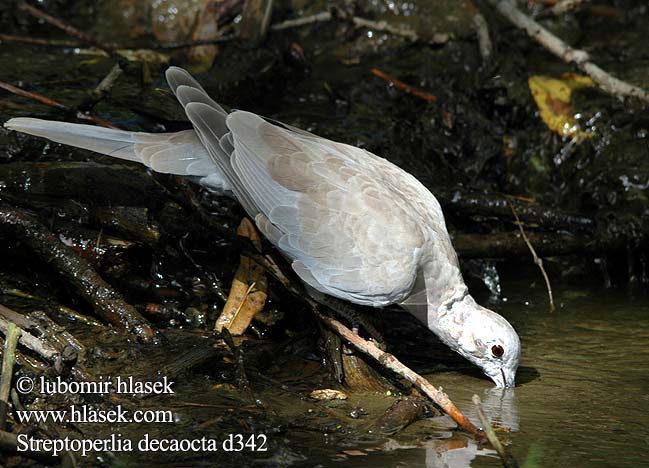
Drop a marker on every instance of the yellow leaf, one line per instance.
(553, 96)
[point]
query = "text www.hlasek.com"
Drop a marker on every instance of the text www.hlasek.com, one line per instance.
(86, 414)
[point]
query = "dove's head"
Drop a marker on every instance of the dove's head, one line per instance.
(487, 340)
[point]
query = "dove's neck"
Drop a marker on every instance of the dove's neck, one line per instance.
(441, 300)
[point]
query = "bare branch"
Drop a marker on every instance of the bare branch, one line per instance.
(547, 39)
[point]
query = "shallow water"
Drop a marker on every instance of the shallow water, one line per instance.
(581, 398)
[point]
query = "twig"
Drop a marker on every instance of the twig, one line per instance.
(385, 359)
(467, 203)
(41, 348)
(108, 303)
(484, 41)
(306, 20)
(255, 19)
(188, 44)
(536, 258)
(543, 36)
(390, 362)
(12, 334)
(548, 244)
(38, 41)
(71, 30)
(404, 87)
(402, 413)
(336, 13)
(507, 459)
(52, 103)
(385, 27)
(104, 85)
(107, 83)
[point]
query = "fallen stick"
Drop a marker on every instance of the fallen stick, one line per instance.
(506, 458)
(38, 41)
(107, 302)
(495, 205)
(536, 258)
(255, 20)
(104, 87)
(382, 26)
(403, 86)
(482, 32)
(12, 334)
(546, 244)
(52, 103)
(43, 349)
(401, 414)
(390, 362)
(543, 36)
(385, 359)
(70, 30)
(321, 17)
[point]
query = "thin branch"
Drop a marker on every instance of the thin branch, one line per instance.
(70, 30)
(381, 26)
(40, 347)
(38, 41)
(188, 44)
(404, 87)
(107, 302)
(507, 459)
(384, 26)
(107, 83)
(103, 88)
(547, 39)
(484, 41)
(12, 334)
(52, 103)
(536, 258)
(306, 20)
(392, 363)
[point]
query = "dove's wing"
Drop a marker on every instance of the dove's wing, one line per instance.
(327, 206)
(347, 235)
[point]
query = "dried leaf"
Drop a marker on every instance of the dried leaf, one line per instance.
(248, 292)
(553, 98)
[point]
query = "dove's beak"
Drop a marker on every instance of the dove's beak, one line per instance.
(502, 380)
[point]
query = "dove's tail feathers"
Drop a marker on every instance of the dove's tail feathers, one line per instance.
(179, 153)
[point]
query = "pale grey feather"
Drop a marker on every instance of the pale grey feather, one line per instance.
(327, 212)
(173, 153)
(354, 225)
(177, 77)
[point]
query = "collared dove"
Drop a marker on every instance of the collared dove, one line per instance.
(353, 225)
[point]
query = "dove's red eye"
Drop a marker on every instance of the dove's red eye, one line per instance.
(497, 350)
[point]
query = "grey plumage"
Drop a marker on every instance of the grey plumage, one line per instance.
(353, 225)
